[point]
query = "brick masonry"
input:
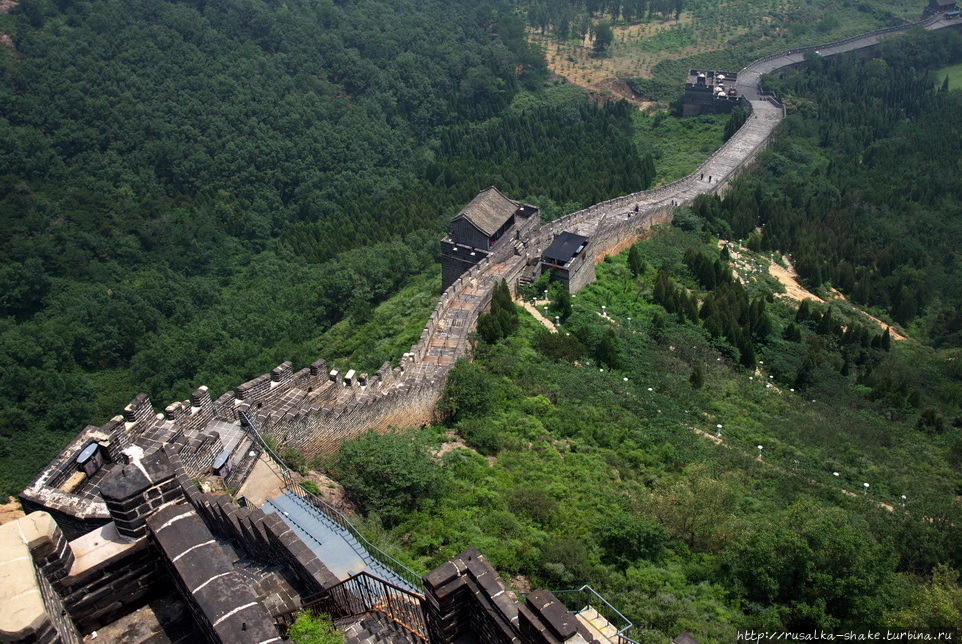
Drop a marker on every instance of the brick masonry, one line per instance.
(466, 596)
(218, 597)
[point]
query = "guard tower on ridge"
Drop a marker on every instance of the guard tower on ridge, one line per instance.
(489, 226)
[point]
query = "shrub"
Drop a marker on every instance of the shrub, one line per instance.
(311, 487)
(389, 474)
(626, 538)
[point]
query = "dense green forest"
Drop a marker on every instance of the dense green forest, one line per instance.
(194, 192)
(677, 35)
(741, 32)
(862, 187)
(742, 460)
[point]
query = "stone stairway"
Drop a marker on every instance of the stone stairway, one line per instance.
(266, 581)
(601, 628)
(334, 546)
(374, 628)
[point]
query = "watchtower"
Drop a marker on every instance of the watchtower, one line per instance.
(487, 226)
(939, 6)
(710, 92)
(569, 261)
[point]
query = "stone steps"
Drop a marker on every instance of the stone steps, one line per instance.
(601, 628)
(375, 628)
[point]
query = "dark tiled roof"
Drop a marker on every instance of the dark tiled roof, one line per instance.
(488, 211)
(564, 247)
(945, 3)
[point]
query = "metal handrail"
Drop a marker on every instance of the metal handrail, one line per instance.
(373, 552)
(584, 597)
(364, 593)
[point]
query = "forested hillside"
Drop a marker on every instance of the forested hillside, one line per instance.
(193, 192)
(706, 452)
(862, 188)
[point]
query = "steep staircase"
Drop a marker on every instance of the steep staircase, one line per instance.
(374, 628)
(601, 628)
(334, 546)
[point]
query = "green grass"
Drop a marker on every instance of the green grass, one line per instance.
(364, 342)
(678, 145)
(954, 72)
(577, 442)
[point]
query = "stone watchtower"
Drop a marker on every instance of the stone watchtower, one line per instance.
(491, 225)
(569, 261)
(710, 92)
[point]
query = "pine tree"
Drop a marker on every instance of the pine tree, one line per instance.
(636, 264)
(697, 378)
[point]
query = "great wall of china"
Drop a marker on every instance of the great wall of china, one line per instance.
(313, 410)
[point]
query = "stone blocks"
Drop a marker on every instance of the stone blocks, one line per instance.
(30, 609)
(138, 489)
(219, 598)
(466, 595)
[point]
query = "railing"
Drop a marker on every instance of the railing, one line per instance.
(362, 594)
(878, 32)
(585, 597)
(372, 552)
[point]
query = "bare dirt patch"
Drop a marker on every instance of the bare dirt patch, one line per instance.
(536, 314)
(788, 278)
(7, 5)
(616, 89)
(575, 61)
(332, 492)
(264, 482)
(519, 583)
(451, 442)
(10, 511)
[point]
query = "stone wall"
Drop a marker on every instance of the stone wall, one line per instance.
(218, 597)
(30, 608)
(112, 574)
(268, 538)
(466, 596)
(138, 489)
(317, 430)
(314, 411)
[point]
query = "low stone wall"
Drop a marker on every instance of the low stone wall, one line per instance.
(218, 597)
(316, 431)
(111, 575)
(30, 608)
(466, 596)
(137, 490)
(268, 538)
